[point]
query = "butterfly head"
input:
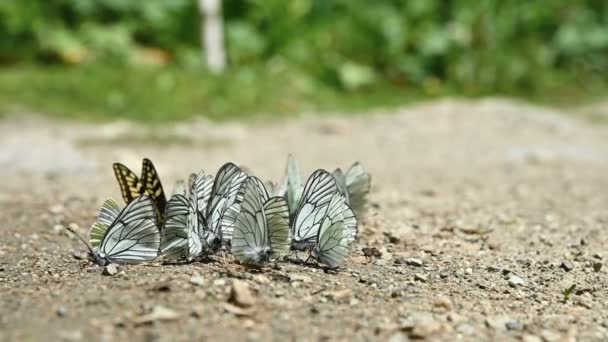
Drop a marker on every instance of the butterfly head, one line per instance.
(213, 242)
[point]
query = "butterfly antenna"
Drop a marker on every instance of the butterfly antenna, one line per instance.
(81, 239)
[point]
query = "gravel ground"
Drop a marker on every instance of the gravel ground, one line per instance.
(482, 215)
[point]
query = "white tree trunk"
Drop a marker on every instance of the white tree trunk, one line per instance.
(212, 33)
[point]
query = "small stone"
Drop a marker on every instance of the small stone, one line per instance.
(62, 311)
(110, 269)
(241, 295)
(468, 270)
(420, 277)
(531, 338)
(300, 278)
(497, 322)
(56, 209)
(158, 313)
(443, 274)
(398, 337)
(261, 279)
(550, 336)
(338, 295)
(238, 310)
(391, 237)
(466, 329)
(198, 311)
(597, 266)
(567, 266)
(413, 262)
(80, 255)
(162, 286)
(425, 326)
(371, 252)
(359, 260)
(515, 281)
(515, 325)
(443, 302)
(197, 280)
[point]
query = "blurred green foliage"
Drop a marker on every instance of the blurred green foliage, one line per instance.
(345, 46)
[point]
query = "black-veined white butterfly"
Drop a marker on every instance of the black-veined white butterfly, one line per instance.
(261, 228)
(291, 187)
(218, 225)
(312, 208)
(355, 185)
(127, 236)
(148, 184)
(337, 232)
(180, 238)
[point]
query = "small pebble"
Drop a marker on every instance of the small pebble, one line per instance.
(62, 311)
(597, 266)
(110, 270)
(515, 281)
(197, 280)
(414, 262)
(567, 266)
(420, 277)
(240, 294)
(514, 325)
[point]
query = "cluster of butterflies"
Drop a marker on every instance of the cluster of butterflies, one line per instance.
(254, 221)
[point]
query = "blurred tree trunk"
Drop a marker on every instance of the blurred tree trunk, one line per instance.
(212, 33)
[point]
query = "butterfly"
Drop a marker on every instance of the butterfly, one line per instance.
(127, 236)
(291, 187)
(337, 232)
(217, 229)
(261, 228)
(148, 184)
(313, 205)
(355, 185)
(180, 238)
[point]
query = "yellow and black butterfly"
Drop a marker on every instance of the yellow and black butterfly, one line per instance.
(148, 184)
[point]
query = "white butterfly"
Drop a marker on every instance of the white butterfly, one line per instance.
(291, 187)
(180, 238)
(261, 228)
(218, 226)
(127, 236)
(337, 232)
(312, 208)
(355, 185)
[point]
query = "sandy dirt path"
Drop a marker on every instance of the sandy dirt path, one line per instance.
(482, 214)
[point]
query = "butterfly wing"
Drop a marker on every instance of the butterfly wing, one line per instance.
(133, 237)
(130, 185)
(336, 233)
(108, 213)
(358, 182)
(293, 184)
(276, 211)
(224, 194)
(341, 183)
(312, 208)
(153, 187)
(179, 188)
(250, 244)
(179, 238)
(200, 187)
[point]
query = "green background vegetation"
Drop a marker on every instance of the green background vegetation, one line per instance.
(101, 59)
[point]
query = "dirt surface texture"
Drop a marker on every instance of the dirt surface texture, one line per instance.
(487, 221)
